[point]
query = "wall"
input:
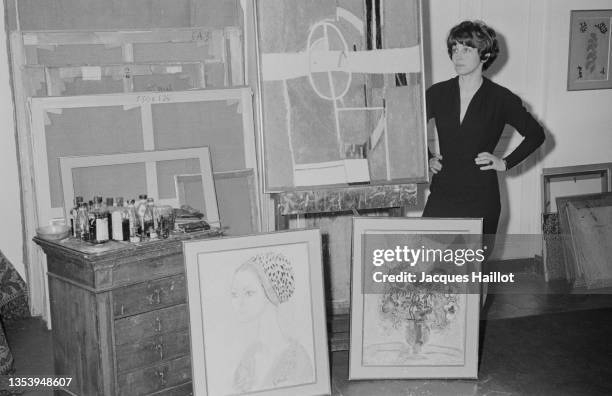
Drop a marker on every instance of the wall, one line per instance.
(581, 121)
(11, 235)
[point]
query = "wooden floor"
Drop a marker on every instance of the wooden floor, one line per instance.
(533, 342)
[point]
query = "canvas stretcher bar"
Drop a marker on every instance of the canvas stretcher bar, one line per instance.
(54, 78)
(117, 38)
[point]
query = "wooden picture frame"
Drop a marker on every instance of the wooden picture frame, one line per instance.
(149, 158)
(236, 284)
(385, 342)
(346, 109)
(590, 51)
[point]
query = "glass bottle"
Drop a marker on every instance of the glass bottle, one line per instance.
(148, 224)
(98, 226)
(73, 216)
(109, 207)
(140, 207)
(133, 222)
(82, 222)
(90, 220)
(118, 217)
(125, 222)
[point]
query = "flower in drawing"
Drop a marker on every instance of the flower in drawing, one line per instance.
(418, 308)
(591, 52)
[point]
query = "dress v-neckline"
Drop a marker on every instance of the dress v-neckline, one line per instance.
(461, 121)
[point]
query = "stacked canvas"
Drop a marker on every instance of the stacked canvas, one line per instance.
(586, 226)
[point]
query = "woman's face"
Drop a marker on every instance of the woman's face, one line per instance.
(248, 297)
(466, 59)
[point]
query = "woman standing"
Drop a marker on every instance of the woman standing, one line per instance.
(471, 112)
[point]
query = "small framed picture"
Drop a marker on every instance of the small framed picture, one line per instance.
(589, 52)
(406, 326)
(257, 315)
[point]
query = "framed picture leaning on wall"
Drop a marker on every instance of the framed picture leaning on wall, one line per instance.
(406, 320)
(257, 314)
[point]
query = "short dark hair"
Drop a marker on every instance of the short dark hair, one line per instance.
(475, 34)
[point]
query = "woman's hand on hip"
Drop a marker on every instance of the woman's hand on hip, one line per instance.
(435, 164)
(488, 161)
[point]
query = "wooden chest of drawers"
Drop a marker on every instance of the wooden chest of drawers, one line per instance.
(120, 320)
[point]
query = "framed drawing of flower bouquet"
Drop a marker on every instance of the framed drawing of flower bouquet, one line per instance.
(257, 315)
(412, 315)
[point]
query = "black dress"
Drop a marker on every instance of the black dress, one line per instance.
(461, 189)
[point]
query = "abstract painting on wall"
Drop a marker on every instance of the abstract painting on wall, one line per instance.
(257, 314)
(342, 92)
(589, 53)
(420, 327)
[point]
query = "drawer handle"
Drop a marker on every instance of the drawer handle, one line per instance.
(122, 310)
(155, 297)
(161, 374)
(158, 325)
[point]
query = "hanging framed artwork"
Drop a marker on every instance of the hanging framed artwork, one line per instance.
(342, 92)
(257, 314)
(589, 52)
(413, 328)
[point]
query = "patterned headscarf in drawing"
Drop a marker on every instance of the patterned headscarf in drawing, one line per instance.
(275, 272)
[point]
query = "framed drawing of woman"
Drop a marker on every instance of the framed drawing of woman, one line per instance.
(257, 315)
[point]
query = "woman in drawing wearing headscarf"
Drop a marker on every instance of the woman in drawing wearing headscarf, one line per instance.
(274, 359)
